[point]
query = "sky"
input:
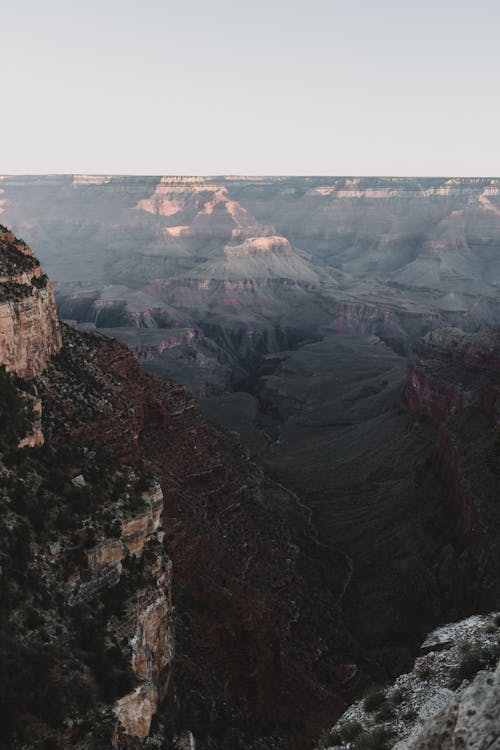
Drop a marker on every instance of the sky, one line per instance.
(211, 87)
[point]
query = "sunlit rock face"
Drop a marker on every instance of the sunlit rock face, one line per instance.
(420, 248)
(29, 328)
(34, 438)
(153, 651)
(258, 245)
(206, 205)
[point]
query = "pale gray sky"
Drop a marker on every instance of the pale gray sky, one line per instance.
(257, 87)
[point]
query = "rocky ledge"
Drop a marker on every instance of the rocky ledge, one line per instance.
(450, 700)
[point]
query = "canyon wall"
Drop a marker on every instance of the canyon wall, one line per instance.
(29, 328)
(86, 616)
(454, 383)
(248, 598)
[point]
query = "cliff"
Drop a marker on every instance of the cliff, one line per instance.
(86, 616)
(86, 620)
(249, 635)
(453, 382)
(29, 329)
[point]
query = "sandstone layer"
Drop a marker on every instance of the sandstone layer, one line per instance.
(29, 328)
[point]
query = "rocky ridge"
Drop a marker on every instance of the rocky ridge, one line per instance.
(450, 699)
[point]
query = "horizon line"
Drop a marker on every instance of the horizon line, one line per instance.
(242, 176)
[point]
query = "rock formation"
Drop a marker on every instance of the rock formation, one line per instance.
(386, 256)
(86, 622)
(248, 635)
(450, 700)
(453, 382)
(470, 720)
(29, 328)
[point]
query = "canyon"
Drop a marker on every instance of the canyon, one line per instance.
(330, 497)
(250, 263)
(122, 449)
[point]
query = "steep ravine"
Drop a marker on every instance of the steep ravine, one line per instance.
(312, 530)
(341, 436)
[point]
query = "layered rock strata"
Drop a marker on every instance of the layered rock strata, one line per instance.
(250, 642)
(86, 619)
(454, 383)
(29, 329)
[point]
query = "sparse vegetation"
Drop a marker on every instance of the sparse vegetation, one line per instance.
(44, 509)
(10, 290)
(40, 282)
(350, 730)
(410, 715)
(397, 696)
(377, 738)
(346, 733)
(16, 417)
(13, 260)
(374, 699)
(424, 671)
(329, 737)
(474, 657)
(386, 712)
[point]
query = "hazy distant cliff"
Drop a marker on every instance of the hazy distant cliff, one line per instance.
(243, 252)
